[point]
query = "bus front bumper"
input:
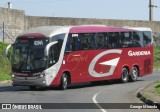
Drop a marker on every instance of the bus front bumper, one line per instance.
(29, 81)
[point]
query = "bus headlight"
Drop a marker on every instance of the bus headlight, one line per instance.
(13, 75)
(42, 75)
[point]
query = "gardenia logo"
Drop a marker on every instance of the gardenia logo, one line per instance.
(138, 53)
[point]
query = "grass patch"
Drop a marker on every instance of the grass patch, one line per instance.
(158, 81)
(156, 58)
(5, 76)
(158, 87)
(146, 95)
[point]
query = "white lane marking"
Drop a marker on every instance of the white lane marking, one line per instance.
(95, 101)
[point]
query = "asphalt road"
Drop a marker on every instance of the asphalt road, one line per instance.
(112, 92)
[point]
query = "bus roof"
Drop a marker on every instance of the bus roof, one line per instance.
(96, 28)
(141, 29)
(48, 31)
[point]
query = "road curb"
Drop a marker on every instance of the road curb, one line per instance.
(5, 82)
(147, 100)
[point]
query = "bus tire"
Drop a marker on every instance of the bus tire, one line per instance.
(124, 75)
(134, 74)
(64, 81)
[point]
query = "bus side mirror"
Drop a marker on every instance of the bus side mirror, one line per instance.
(47, 48)
(7, 50)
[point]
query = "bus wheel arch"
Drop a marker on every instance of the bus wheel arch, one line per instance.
(134, 73)
(65, 80)
(68, 76)
(124, 74)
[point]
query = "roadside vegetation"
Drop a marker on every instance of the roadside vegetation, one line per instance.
(157, 67)
(158, 87)
(156, 58)
(5, 68)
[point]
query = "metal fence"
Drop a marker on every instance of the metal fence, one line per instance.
(6, 38)
(5, 35)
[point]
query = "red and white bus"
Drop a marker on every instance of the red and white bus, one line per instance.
(63, 55)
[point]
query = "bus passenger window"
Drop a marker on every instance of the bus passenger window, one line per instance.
(100, 40)
(77, 43)
(73, 43)
(84, 43)
(70, 44)
(91, 42)
(114, 40)
(106, 41)
(87, 41)
(137, 41)
(146, 38)
(68, 48)
(126, 39)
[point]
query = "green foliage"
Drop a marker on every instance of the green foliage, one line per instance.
(157, 57)
(5, 64)
(158, 87)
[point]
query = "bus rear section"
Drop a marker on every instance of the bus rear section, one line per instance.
(59, 56)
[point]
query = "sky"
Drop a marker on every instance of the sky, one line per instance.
(101, 9)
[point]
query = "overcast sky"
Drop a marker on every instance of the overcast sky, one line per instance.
(103, 9)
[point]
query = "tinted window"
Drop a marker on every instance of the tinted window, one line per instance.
(91, 41)
(114, 40)
(28, 54)
(100, 41)
(54, 54)
(59, 37)
(126, 38)
(147, 38)
(131, 39)
(83, 41)
(137, 40)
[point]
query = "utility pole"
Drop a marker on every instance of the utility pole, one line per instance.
(10, 4)
(3, 32)
(151, 10)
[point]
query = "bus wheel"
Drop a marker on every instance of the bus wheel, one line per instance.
(64, 82)
(124, 75)
(134, 74)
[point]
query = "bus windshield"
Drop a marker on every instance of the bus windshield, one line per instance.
(28, 54)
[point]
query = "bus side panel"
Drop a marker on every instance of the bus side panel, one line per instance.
(78, 64)
(70, 65)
